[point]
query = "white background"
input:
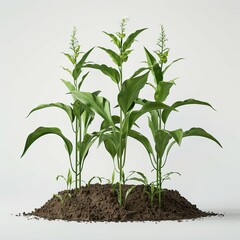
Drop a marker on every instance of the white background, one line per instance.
(32, 36)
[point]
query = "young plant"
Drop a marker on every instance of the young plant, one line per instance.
(164, 139)
(80, 116)
(116, 129)
(149, 188)
(68, 180)
(62, 198)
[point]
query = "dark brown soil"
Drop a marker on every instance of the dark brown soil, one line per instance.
(98, 203)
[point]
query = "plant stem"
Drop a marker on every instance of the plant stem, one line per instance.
(159, 167)
(160, 184)
(120, 147)
(76, 154)
(157, 174)
(120, 133)
(80, 162)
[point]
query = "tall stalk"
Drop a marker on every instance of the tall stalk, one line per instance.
(121, 115)
(128, 90)
(80, 162)
(76, 154)
(74, 112)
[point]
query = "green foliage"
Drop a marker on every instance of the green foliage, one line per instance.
(163, 138)
(115, 136)
(41, 131)
(80, 115)
(108, 71)
(62, 198)
(127, 194)
(98, 104)
(68, 180)
(115, 129)
(64, 107)
(130, 90)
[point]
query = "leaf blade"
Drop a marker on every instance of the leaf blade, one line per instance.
(98, 104)
(108, 71)
(154, 66)
(129, 41)
(62, 106)
(41, 131)
(177, 104)
(113, 55)
(130, 91)
(200, 133)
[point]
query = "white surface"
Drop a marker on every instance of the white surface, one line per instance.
(219, 228)
(34, 33)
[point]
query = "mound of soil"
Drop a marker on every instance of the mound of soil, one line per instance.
(99, 203)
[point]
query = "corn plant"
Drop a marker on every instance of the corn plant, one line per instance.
(68, 180)
(115, 129)
(165, 139)
(80, 116)
(62, 198)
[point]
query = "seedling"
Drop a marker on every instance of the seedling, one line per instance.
(151, 192)
(68, 180)
(93, 178)
(63, 198)
(149, 188)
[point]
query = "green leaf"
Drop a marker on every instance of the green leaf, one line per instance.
(69, 85)
(114, 56)
(177, 135)
(166, 112)
(111, 142)
(115, 40)
(142, 139)
(41, 131)
(61, 176)
(85, 145)
(176, 60)
(154, 66)
(162, 91)
(128, 192)
(153, 122)
(83, 59)
(87, 117)
(140, 70)
(130, 91)
(105, 124)
(147, 107)
(200, 133)
(113, 176)
(143, 178)
(72, 59)
(168, 151)
(108, 71)
(136, 179)
(67, 70)
(78, 68)
(69, 178)
(162, 138)
(167, 176)
(62, 106)
(81, 82)
(59, 197)
(76, 73)
(129, 41)
(94, 177)
(78, 109)
(98, 104)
